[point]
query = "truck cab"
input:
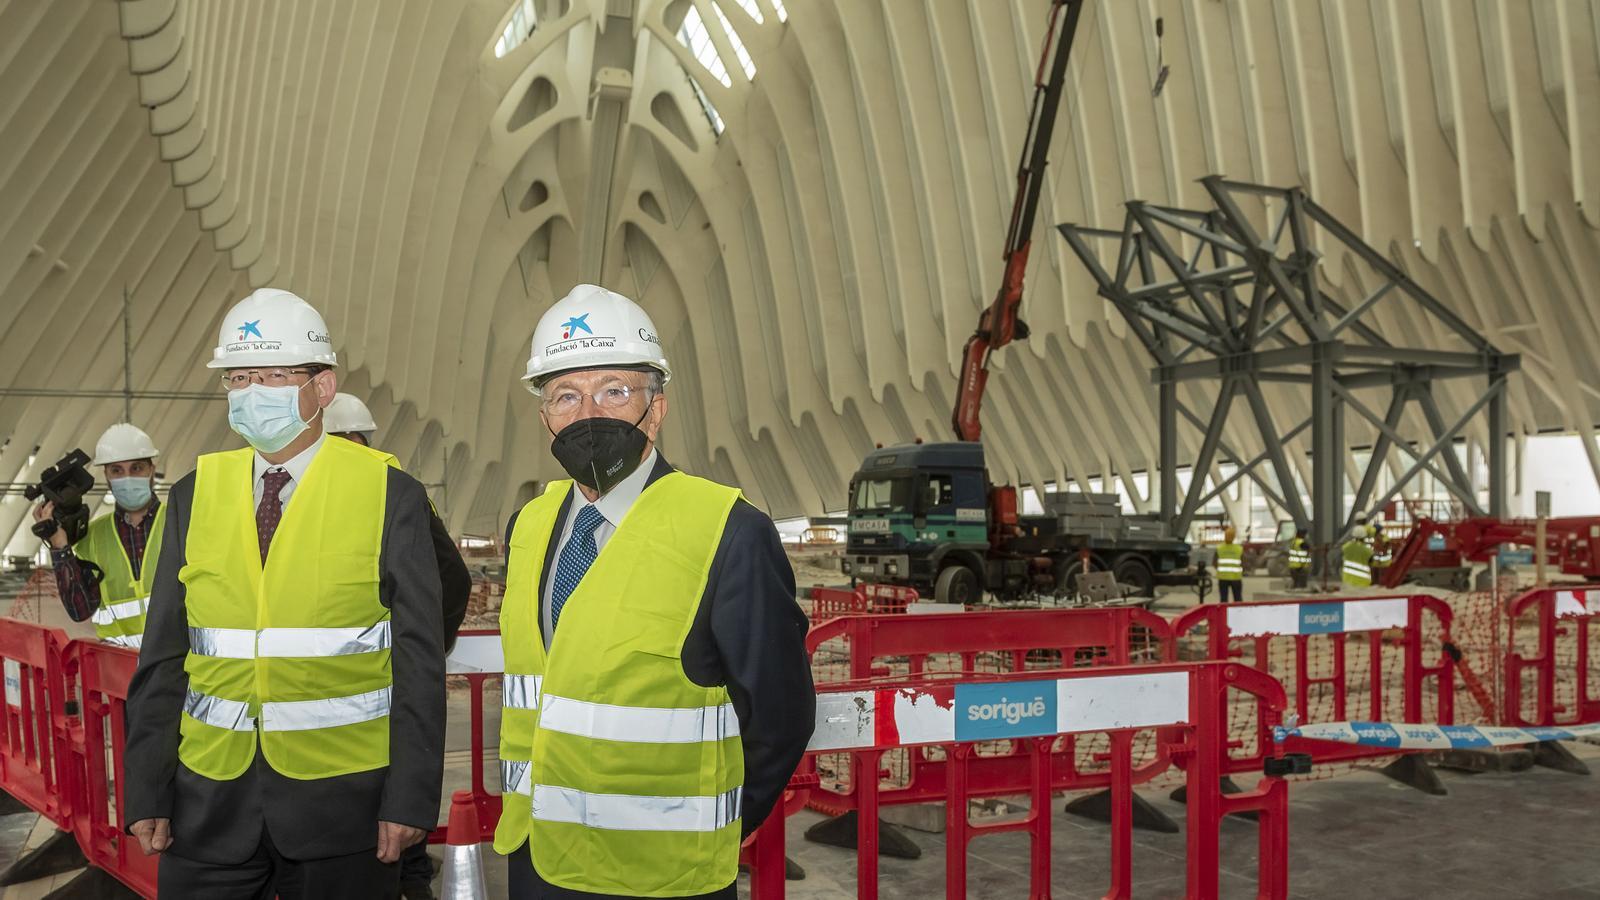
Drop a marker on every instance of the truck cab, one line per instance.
(915, 507)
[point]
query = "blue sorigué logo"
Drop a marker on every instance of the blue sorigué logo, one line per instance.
(1376, 734)
(1014, 709)
(1322, 618)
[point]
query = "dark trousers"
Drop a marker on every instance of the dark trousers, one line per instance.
(267, 873)
(1234, 587)
(523, 883)
(1299, 577)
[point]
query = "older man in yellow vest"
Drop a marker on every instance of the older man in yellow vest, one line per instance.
(657, 693)
(286, 721)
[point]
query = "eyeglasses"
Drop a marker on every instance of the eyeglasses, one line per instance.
(566, 401)
(240, 379)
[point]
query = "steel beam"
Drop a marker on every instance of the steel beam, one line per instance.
(1208, 452)
(1380, 452)
(1497, 442)
(1167, 397)
(1235, 459)
(1430, 412)
(1273, 445)
(1249, 467)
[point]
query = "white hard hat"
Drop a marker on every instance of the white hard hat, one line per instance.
(122, 442)
(593, 328)
(272, 328)
(347, 413)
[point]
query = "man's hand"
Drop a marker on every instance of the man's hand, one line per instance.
(394, 838)
(58, 538)
(155, 835)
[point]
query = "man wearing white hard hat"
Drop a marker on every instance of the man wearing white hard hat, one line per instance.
(347, 417)
(286, 722)
(658, 694)
(104, 576)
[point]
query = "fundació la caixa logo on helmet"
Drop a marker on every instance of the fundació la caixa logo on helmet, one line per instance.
(1012, 709)
(573, 332)
(251, 338)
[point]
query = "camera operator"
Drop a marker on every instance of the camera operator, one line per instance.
(103, 576)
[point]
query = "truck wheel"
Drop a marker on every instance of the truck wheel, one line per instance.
(1068, 568)
(1135, 571)
(956, 584)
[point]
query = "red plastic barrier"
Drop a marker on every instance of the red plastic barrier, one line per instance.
(33, 731)
(104, 672)
(863, 599)
(1365, 619)
(1199, 733)
(1066, 637)
(1569, 665)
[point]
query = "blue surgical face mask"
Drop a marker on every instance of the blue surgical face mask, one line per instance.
(267, 417)
(132, 492)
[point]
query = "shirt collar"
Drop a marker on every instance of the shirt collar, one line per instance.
(296, 467)
(615, 503)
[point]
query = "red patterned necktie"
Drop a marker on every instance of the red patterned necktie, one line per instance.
(269, 512)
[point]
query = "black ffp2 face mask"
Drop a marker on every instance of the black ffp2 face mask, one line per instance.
(599, 452)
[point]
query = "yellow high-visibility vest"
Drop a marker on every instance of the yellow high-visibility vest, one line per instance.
(293, 654)
(123, 599)
(1299, 555)
(1230, 562)
(621, 775)
(1357, 564)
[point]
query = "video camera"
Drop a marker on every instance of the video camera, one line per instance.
(65, 485)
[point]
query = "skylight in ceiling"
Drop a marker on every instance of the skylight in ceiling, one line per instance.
(517, 30)
(692, 34)
(745, 62)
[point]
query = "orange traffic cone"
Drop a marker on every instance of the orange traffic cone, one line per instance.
(462, 875)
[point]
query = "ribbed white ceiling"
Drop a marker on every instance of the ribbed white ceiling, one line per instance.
(814, 269)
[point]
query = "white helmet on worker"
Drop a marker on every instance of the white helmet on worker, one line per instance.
(123, 442)
(272, 327)
(346, 414)
(593, 328)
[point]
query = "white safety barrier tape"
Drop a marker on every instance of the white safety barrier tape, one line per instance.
(987, 711)
(1335, 617)
(1578, 603)
(1402, 736)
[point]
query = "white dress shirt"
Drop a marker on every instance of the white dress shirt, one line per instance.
(612, 506)
(296, 467)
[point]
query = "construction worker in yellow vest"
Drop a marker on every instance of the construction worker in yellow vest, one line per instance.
(1357, 552)
(657, 692)
(286, 721)
(1299, 559)
(1230, 567)
(104, 576)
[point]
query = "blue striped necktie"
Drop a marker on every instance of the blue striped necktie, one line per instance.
(575, 559)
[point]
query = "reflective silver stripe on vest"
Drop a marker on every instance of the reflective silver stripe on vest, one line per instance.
(514, 777)
(131, 641)
(245, 643)
(617, 812)
(1354, 568)
(223, 643)
(638, 724)
(520, 691)
(234, 715)
(128, 609)
(304, 715)
(309, 642)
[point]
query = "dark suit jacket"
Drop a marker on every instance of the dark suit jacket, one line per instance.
(749, 635)
(221, 822)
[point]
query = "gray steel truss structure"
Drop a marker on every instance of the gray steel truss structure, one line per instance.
(1212, 296)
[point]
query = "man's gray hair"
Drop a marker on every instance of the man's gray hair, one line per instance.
(654, 383)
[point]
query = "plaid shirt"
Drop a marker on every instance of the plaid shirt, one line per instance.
(80, 593)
